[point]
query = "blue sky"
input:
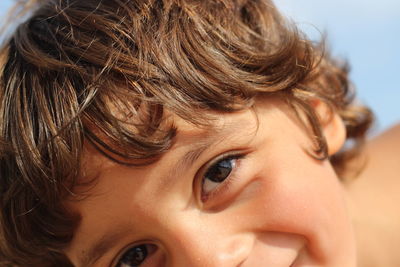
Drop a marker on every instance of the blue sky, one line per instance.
(366, 33)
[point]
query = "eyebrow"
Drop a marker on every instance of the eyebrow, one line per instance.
(100, 247)
(202, 143)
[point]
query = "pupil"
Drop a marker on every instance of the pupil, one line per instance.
(135, 256)
(220, 171)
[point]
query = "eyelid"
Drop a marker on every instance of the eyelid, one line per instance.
(118, 257)
(238, 155)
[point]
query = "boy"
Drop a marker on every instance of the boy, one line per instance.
(180, 133)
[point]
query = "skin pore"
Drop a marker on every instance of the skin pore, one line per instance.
(245, 192)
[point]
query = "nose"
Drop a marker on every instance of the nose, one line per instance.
(202, 248)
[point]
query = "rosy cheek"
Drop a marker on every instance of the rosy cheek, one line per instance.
(302, 202)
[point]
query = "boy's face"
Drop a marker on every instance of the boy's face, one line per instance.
(244, 193)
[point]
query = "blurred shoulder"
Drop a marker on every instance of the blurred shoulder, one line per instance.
(380, 175)
(381, 166)
(385, 148)
(373, 201)
(381, 158)
(393, 133)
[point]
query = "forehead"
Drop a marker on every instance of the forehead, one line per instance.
(199, 137)
(223, 127)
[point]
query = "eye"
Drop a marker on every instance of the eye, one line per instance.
(135, 256)
(217, 173)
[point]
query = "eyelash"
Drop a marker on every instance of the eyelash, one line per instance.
(224, 185)
(149, 250)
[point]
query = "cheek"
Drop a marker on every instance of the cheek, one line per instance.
(304, 199)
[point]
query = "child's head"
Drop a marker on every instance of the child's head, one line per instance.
(128, 118)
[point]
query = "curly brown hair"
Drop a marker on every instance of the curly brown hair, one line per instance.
(73, 67)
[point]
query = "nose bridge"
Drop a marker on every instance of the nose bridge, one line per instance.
(204, 243)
